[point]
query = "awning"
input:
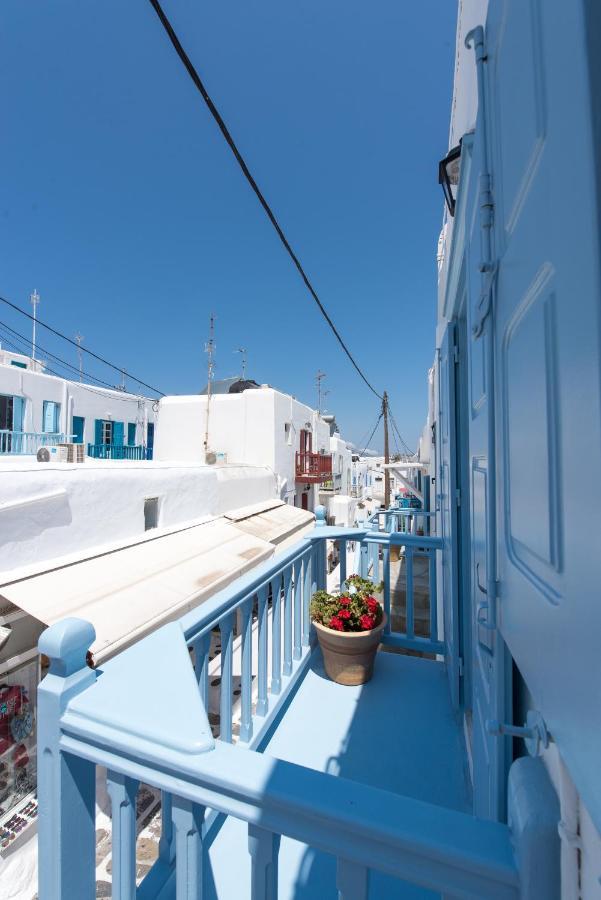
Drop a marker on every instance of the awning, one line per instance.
(131, 591)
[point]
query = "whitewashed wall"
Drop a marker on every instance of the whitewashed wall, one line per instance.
(48, 509)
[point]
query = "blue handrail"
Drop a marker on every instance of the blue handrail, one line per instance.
(142, 728)
(118, 451)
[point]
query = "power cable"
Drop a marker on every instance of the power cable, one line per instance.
(372, 434)
(84, 349)
(247, 174)
(63, 363)
(100, 393)
(401, 438)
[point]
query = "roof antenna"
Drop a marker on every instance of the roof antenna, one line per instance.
(34, 299)
(242, 352)
(79, 338)
(210, 348)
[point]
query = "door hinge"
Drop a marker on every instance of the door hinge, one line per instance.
(456, 353)
(460, 661)
(458, 497)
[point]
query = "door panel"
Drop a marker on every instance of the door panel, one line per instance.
(448, 505)
(548, 365)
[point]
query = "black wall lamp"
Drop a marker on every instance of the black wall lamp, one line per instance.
(448, 176)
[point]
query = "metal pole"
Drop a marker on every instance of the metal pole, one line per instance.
(79, 338)
(386, 453)
(35, 299)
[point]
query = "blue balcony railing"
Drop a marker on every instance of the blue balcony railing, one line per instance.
(119, 451)
(24, 443)
(144, 718)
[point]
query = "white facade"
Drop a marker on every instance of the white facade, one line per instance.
(259, 427)
(43, 403)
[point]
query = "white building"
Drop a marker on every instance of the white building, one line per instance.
(38, 409)
(257, 426)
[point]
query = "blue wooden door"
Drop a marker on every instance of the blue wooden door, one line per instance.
(78, 429)
(548, 365)
(448, 497)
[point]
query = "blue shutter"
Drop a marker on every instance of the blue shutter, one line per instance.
(98, 431)
(118, 433)
(131, 433)
(48, 416)
(18, 413)
(78, 429)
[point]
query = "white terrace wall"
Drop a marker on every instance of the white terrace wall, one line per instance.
(257, 427)
(48, 510)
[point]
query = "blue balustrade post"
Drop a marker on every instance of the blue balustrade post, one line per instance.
(409, 592)
(166, 841)
(288, 621)
(66, 783)
(123, 791)
(298, 605)
(352, 880)
(432, 595)
(342, 545)
(262, 702)
(246, 725)
(201, 666)
(225, 693)
(276, 634)
(308, 563)
(187, 820)
(263, 847)
(387, 586)
(375, 554)
(364, 559)
(320, 576)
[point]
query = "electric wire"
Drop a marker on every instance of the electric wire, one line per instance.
(63, 363)
(81, 347)
(401, 438)
(100, 393)
(372, 434)
(185, 59)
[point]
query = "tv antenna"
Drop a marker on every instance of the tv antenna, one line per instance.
(210, 348)
(79, 338)
(242, 352)
(34, 299)
(319, 378)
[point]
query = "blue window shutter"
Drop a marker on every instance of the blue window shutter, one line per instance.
(118, 433)
(48, 416)
(77, 428)
(98, 431)
(18, 413)
(131, 433)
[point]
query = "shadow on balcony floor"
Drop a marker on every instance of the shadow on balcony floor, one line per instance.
(398, 733)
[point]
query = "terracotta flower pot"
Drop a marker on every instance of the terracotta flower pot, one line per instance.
(348, 656)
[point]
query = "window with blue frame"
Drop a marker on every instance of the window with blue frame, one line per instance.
(51, 416)
(131, 433)
(19, 365)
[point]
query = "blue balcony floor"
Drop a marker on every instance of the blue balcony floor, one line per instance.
(398, 733)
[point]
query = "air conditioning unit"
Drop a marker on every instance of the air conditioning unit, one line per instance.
(71, 453)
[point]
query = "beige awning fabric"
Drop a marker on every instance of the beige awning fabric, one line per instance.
(276, 522)
(129, 592)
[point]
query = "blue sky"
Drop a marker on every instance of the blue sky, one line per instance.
(123, 206)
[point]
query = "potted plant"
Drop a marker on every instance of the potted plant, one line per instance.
(349, 627)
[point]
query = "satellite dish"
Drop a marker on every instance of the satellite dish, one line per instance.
(210, 458)
(43, 455)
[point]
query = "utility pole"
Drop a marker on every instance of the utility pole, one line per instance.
(210, 348)
(242, 352)
(79, 338)
(319, 378)
(34, 300)
(386, 452)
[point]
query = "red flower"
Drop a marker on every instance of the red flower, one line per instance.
(336, 623)
(344, 614)
(345, 601)
(372, 605)
(366, 623)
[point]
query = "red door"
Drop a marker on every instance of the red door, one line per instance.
(305, 500)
